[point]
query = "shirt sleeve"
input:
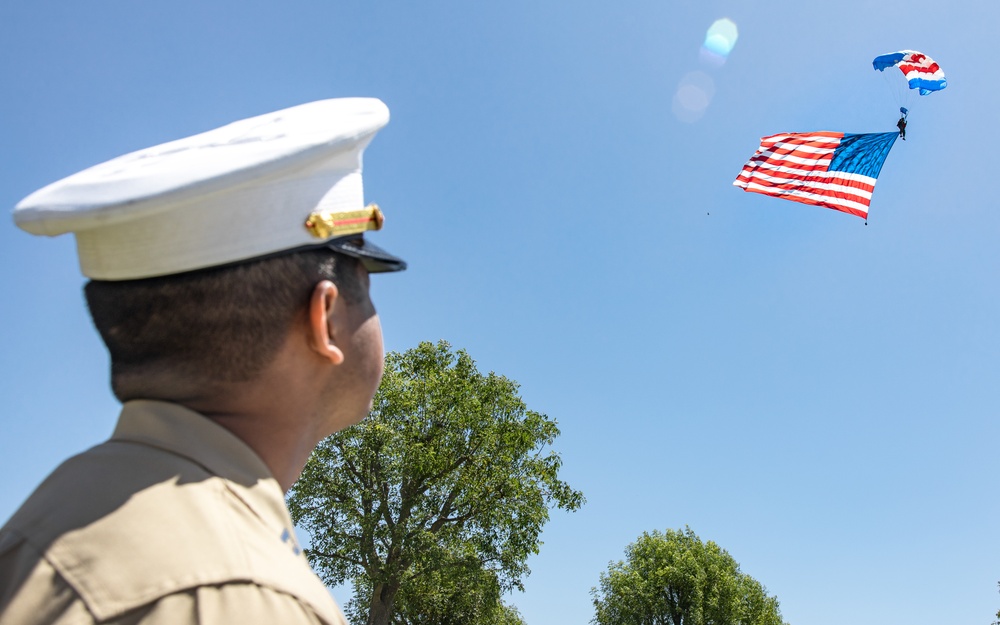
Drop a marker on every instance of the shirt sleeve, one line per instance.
(31, 591)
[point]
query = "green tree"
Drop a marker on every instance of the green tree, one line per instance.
(459, 593)
(997, 621)
(674, 578)
(449, 472)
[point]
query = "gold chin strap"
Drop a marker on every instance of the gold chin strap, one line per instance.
(325, 224)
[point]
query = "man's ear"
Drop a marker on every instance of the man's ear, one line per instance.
(321, 307)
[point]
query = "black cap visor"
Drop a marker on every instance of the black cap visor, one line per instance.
(374, 258)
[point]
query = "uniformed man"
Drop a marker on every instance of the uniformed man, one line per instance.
(229, 281)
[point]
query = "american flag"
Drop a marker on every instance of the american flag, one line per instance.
(831, 169)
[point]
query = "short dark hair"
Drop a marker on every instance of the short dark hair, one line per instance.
(216, 325)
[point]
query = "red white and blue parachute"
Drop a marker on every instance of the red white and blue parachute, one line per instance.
(920, 70)
(838, 170)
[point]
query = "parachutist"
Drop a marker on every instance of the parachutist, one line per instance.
(901, 124)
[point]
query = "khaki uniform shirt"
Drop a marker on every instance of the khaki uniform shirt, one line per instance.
(173, 520)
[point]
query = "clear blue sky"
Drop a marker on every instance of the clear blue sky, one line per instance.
(817, 396)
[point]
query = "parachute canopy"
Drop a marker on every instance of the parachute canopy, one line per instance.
(920, 70)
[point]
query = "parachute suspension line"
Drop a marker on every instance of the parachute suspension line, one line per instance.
(898, 90)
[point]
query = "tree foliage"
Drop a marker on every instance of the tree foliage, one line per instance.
(674, 578)
(459, 593)
(448, 481)
(997, 621)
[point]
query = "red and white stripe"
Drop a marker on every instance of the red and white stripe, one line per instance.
(919, 65)
(794, 166)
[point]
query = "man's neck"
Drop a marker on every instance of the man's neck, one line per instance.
(276, 415)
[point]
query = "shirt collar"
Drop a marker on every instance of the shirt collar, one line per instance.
(184, 432)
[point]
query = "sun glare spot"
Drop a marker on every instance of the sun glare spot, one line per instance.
(694, 94)
(719, 40)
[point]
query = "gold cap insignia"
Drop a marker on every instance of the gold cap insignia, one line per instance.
(325, 224)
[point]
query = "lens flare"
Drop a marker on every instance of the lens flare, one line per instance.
(694, 94)
(719, 41)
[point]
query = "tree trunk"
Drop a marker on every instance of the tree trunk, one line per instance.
(383, 600)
